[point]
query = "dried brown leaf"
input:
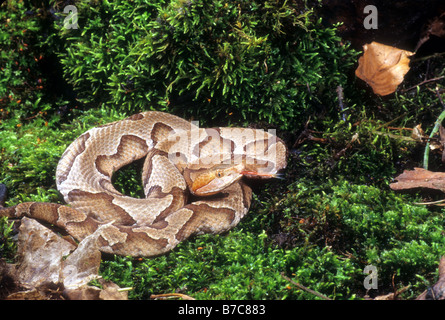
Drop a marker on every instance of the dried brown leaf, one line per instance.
(81, 266)
(418, 134)
(419, 178)
(40, 254)
(50, 267)
(383, 67)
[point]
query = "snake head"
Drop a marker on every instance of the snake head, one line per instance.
(262, 157)
(216, 179)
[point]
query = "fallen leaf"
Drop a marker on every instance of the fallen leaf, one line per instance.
(419, 178)
(419, 135)
(81, 266)
(383, 67)
(50, 267)
(40, 254)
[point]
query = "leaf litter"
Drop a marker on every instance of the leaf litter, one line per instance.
(50, 267)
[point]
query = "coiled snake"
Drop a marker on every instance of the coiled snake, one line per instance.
(182, 162)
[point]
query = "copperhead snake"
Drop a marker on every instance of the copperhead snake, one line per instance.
(192, 179)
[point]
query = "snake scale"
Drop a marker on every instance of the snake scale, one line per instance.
(192, 179)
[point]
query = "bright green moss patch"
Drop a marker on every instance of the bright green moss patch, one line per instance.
(8, 247)
(233, 60)
(235, 266)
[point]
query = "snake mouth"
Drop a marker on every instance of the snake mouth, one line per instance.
(262, 175)
(258, 174)
(214, 183)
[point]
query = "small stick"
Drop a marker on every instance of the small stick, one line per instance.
(340, 102)
(171, 295)
(300, 286)
(422, 83)
(435, 55)
(428, 203)
(439, 96)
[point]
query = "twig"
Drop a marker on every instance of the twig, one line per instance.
(440, 97)
(394, 136)
(340, 102)
(171, 295)
(428, 203)
(435, 55)
(342, 152)
(422, 83)
(300, 286)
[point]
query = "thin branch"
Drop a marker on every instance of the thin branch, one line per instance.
(435, 55)
(171, 296)
(429, 203)
(340, 102)
(439, 96)
(394, 136)
(422, 83)
(300, 286)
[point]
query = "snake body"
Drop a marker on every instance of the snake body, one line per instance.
(192, 179)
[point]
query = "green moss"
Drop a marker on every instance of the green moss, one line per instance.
(368, 225)
(238, 60)
(235, 266)
(8, 247)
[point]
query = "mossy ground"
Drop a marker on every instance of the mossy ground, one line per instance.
(331, 216)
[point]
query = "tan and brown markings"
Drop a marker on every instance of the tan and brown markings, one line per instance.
(181, 158)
